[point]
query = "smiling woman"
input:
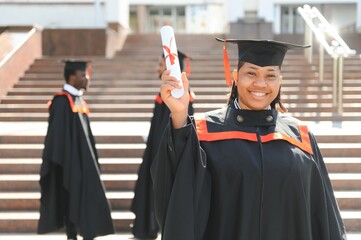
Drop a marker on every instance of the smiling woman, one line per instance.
(246, 171)
(257, 86)
(262, 72)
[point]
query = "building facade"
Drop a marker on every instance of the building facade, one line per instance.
(69, 14)
(186, 16)
(217, 16)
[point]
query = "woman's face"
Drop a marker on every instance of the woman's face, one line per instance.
(257, 86)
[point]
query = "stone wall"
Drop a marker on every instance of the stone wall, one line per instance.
(14, 64)
(74, 42)
(84, 42)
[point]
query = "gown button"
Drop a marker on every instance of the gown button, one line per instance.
(240, 119)
(269, 118)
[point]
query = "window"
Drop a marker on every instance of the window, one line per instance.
(291, 20)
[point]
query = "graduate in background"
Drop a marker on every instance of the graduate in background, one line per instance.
(145, 225)
(72, 193)
(246, 171)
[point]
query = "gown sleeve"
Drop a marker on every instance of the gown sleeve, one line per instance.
(57, 141)
(181, 185)
(336, 228)
(56, 149)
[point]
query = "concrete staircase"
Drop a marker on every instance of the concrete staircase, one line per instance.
(121, 101)
(19, 176)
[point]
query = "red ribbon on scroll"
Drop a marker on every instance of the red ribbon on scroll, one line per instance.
(171, 56)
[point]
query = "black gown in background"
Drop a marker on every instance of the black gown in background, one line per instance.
(145, 224)
(241, 175)
(70, 170)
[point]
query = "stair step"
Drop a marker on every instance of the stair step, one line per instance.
(155, 89)
(30, 201)
(149, 98)
(121, 200)
(98, 139)
(145, 117)
(30, 182)
(25, 117)
(30, 83)
(343, 165)
(27, 221)
(148, 108)
(32, 165)
(352, 220)
(131, 165)
(104, 150)
(96, 107)
(136, 150)
(340, 149)
(61, 236)
(339, 138)
(350, 200)
(345, 181)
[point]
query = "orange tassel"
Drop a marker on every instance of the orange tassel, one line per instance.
(188, 66)
(227, 68)
(89, 71)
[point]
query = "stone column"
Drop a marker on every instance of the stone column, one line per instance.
(251, 24)
(118, 12)
(358, 15)
(142, 18)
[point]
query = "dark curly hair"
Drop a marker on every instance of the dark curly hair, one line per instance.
(275, 104)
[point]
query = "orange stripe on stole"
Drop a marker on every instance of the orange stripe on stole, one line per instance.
(204, 135)
(75, 108)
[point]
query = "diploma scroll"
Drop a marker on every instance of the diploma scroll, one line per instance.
(171, 57)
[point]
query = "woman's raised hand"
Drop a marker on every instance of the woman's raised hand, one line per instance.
(177, 106)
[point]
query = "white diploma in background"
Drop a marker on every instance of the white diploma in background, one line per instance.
(171, 57)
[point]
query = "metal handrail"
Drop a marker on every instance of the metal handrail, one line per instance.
(337, 48)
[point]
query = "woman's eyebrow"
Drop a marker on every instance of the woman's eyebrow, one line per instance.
(255, 68)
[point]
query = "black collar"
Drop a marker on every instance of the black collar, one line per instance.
(251, 118)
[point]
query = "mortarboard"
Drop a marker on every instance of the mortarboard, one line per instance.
(258, 52)
(73, 65)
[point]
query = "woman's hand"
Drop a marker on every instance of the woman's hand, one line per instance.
(177, 106)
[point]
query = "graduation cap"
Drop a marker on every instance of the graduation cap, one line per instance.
(71, 66)
(259, 52)
(183, 57)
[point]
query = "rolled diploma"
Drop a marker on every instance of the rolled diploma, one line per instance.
(171, 57)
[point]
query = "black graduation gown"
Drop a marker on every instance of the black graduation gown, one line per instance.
(145, 224)
(70, 166)
(242, 175)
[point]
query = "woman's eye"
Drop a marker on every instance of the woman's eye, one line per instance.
(251, 73)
